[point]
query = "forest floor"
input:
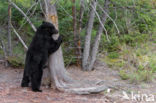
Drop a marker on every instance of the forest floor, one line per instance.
(123, 91)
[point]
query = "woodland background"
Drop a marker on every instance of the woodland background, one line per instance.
(129, 46)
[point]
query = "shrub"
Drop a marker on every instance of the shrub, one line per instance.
(15, 61)
(113, 45)
(123, 75)
(113, 55)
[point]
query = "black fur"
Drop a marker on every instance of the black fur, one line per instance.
(41, 46)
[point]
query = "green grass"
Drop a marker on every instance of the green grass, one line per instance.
(136, 64)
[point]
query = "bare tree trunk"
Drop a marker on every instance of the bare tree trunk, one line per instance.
(74, 21)
(86, 51)
(79, 31)
(89, 59)
(9, 31)
(98, 37)
(58, 73)
(81, 14)
(56, 62)
(74, 28)
(76, 35)
(5, 52)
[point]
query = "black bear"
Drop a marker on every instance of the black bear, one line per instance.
(38, 52)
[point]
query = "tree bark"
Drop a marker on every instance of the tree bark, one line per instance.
(86, 51)
(75, 31)
(9, 31)
(59, 76)
(57, 69)
(82, 7)
(79, 32)
(89, 59)
(4, 51)
(98, 36)
(74, 21)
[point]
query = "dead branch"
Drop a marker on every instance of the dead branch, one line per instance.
(59, 76)
(9, 31)
(28, 11)
(25, 46)
(88, 90)
(98, 37)
(87, 45)
(42, 8)
(110, 18)
(101, 23)
(21, 11)
(46, 9)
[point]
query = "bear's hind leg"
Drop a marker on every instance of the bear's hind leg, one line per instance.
(25, 80)
(36, 80)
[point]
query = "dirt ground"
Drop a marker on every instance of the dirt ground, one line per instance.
(11, 92)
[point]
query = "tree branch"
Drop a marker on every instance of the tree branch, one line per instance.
(28, 11)
(110, 18)
(25, 46)
(21, 11)
(101, 23)
(42, 8)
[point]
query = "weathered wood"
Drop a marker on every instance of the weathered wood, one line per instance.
(21, 40)
(118, 31)
(5, 53)
(98, 36)
(86, 51)
(57, 68)
(76, 34)
(79, 32)
(9, 31)
(59, 75)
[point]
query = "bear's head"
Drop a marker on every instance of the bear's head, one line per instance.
(48, 27)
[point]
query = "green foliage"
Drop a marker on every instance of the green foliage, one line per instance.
(24, 3)
(113, 55)
(113, 45)
(123, 75)
(3, 11)
(136, 20)
(152, 63)
(137, 77)
(15, 61)
(141, 76)
(136, 64)
(133, 40)
(68, 56)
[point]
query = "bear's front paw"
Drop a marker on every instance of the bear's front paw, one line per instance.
(45, 66)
